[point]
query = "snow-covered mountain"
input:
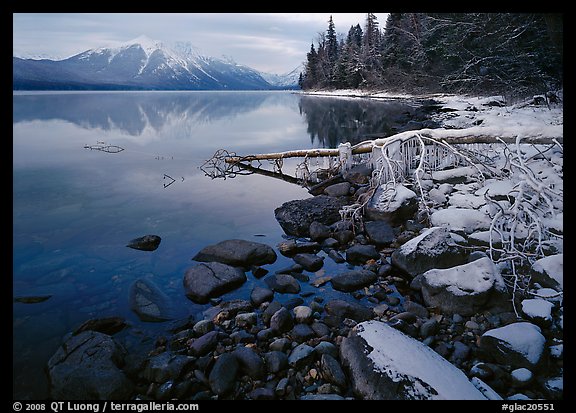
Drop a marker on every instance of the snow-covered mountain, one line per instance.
(287, 80)
(141, 63)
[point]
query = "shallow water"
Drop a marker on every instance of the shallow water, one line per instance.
(75, 209)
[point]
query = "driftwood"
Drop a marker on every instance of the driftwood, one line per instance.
(448, 136)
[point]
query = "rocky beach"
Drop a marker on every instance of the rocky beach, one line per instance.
(435, 305)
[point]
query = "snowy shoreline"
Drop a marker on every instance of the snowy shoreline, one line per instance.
(435, 285)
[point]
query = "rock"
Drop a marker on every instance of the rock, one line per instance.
(538, 311)
(227, 309)
(332, 371)
(251, 364)
(276, 361)
(521, 377)
(319, 231)
(318, 189)
(208, 280)
(338, 310)
(86, 367)
(204, 344)
(431, 249)
(222, 378)
(303, 314)
(394, 206)
(202, 327)
(149, 302)
(260, 295)
(291, 247)
(326, 347)
(281, 321)
(353, 280)
(464, 174)
(429, 328)
(295, 217)
(486, 390)
(359, 254)
(316, 396)
(105, 325)
(245, 320)
(302, 332)
(145, 243)
(166, 366)
(465, 289)
(549, 271)
(237, 253)
(359, 174)
(461, 219)
(460, 353)
(416, 308)
(384, 363)
(283, 283)
(518, 345)
(262, 393)
(300, 356)
(380, 232)
(310, 262)
(341, 189)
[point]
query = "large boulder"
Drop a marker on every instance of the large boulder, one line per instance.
(434, 248)
(393, 205)
(238, 253)
(465, 289)
(295, 217)
(212, 279)
(149, 302)
(87, 367)
(385, 364)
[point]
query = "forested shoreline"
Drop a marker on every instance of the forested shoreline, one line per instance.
(510, 54)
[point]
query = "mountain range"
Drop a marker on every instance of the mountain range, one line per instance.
(144, 64)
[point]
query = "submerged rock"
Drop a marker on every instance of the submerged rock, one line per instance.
(149, 302)
(145, 243)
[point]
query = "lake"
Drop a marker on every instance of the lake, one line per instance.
(75, 209)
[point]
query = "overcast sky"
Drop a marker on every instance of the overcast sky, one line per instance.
(269, 42)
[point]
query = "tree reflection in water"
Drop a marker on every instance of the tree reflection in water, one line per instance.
(333, 120)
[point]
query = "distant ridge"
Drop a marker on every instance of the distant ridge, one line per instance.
(144, 64)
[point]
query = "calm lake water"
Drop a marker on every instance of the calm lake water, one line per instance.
(75, 209)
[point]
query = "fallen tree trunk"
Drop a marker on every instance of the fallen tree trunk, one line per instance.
(449, 136)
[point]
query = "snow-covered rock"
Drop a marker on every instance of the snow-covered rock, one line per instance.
(465, 289)
(538, 310)
(384, 363)
(463, 174)
(518, 345)
(434, 248)
(485, 389)
(461, 219)
(549, 271)
(394, 205)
